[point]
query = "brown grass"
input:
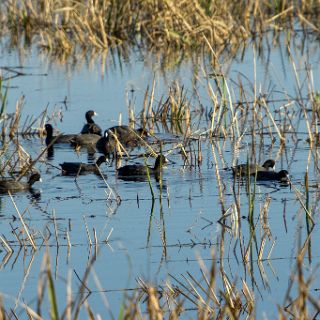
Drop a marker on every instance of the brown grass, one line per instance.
(62, 26)
(212, 293)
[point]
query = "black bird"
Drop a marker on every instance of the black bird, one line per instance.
(281, 176)
(9, 184)
(50, 153)
(142, 170)
(62, 138)
(91, 126)
(85, 140)
(71, 168)
(105, 144)
(243, 170)
(127, 135)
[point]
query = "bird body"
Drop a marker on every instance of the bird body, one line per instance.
(62, 138)
(86, 139)
(281, 176)
(91, 126)
(251, 169)
(9, 184)
(105, 145)
(142, 170)
(80, 167)
(127, 135)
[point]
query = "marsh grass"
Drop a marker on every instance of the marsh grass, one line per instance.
(3, 99)
(63, 27)
(210, 295)
(262, 118)
(213, 292)
(15, 160)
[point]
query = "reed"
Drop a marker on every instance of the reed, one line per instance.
(149, 180)
(62, 26)
(3, 98)
(213, 292)
(25, 227)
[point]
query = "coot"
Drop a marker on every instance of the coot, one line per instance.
(105, 144)
(141, 170)
(81, 168)
(91, 126)
(281, 176)
(62, 138)
(9, 184)
(126, 135)
(243, 170)
(87, 139)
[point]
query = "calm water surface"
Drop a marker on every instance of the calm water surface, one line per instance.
(185, 212)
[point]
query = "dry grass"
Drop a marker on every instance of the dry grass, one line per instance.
(15, 161)
(62, 26)
(174, 299)
(212, 293)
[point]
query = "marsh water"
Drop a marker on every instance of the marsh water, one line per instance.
(157, 239)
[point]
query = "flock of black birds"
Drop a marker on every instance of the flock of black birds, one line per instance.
(91, 137)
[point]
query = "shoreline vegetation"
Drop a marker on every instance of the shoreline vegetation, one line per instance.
(62, 26)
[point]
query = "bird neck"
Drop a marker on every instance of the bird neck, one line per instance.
(48, 139)
(49, 132)
(89, 119)
(99, 162)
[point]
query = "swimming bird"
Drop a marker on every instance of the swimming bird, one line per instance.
(80, 167)
(243, 169)
(62, 138)
(142, 170)
(126, 135)
(91, 126)
(9, 184)
(281, 176)
(85, 140)
(105, 144)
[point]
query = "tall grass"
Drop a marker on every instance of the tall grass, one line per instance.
(62, 25)
(213, 293)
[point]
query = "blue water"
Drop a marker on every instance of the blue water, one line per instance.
(147, 243)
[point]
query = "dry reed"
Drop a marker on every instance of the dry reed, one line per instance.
(62, 26)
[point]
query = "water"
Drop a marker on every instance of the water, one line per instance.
(155, 239)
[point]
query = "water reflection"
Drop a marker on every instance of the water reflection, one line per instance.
(35, 194)
(50, 153)
(196, 205)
